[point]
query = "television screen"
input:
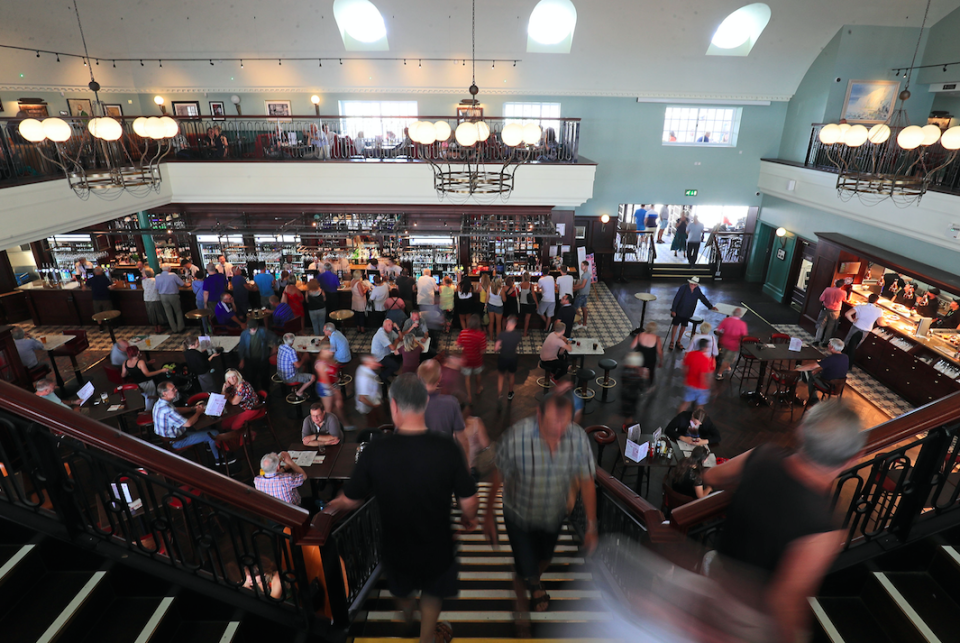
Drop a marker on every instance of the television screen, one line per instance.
(132, 277)
(436, 278)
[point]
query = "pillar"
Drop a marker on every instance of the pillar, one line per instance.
(149, 247)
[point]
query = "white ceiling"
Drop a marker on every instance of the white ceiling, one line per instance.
(621, 47)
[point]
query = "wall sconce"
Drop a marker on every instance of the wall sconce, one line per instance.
(782, 237)
(159, 101)
(316, 103)
(236, 103)
(604, 219)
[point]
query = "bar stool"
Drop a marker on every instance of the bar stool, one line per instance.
(583, 376)
(199, 314)
(545, 382)
(644, 297)
(275, 377)
(73, 348)
(293, 400)
(105, 318)
(748, 362)
(786, 383)
(606, 382)
(694, 326)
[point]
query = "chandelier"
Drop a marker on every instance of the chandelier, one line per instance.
(474, 165)
(96, 154)
(892, 160)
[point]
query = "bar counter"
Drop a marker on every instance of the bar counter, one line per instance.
(72, 304)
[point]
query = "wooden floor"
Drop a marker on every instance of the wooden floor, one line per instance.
(742, 426)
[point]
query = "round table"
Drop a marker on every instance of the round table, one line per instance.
(339, 315)
(106, 317)
(644, 297)
(198, 313)
(259, 314)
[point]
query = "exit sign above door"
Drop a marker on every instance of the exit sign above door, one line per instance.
(690, 193)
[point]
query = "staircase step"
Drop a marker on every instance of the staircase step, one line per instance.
(946, 571)
(125, 620)
(847, 620)
(476, 537)
(937, 612)
(546, 576)
(360, 639)
(499, 616)
(508, 560)
(206, 632)
(489, 631)
(72, 609)
(477, 548)
(153, 624)
(494, 594)
(54, 597)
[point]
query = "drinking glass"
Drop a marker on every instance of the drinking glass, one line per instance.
(103, 398)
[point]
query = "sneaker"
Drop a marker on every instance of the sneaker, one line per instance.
(579, 327)
(510, 395)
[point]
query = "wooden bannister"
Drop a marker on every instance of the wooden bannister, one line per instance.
(143, 454)
(930, 416)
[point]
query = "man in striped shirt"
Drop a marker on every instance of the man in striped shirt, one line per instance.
(288, 366)
(281, 477)
(541, 461)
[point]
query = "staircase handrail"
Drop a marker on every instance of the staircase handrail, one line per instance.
(883, 436)
(143, 454)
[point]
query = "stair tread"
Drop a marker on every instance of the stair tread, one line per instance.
(41, 604)
(506, 616)
(929, 600)
(853, 620)
(123, 620)
(200, 632)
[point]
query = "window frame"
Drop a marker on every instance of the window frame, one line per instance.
(539, 119)
(706, 119)
(391, 120)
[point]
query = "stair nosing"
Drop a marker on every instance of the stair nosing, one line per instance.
(918, 623)
(154, 622)
(230, 631)
(74, 606)
(15, 560)
(825, 622)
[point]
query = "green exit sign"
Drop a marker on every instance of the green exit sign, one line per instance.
(690, 193)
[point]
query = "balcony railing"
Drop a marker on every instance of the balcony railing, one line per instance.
(886, 157)
(294, 138)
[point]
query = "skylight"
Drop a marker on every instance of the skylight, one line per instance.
(361, 25)
(551, 27)
(739, 31)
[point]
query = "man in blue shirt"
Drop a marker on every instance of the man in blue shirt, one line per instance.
(338, 344)
(282, 313)
(99, 285)
(227, 314)
(832, 367)
(329, 281)
(168, 287)
(168, 423)
(684, 305)
(214, 285)
(264, 281)
(256, 345)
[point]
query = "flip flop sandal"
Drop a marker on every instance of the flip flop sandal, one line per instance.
(537, 601)
(443, 633)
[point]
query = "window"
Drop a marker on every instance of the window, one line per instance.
(361, 25)
(709, 126)
(375, 118)
(551, 27)
(739, 31)
(546, 115)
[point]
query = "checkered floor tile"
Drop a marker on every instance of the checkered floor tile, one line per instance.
(872, 390)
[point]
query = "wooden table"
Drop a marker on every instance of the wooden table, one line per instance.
(130, 401)
(779, 352)
(644, 466)
(586, 347)
(259, 314)
(106, 317)
(149, 343)
(50, 344)
(197, 313)
(337, 466)
(305, 343)
(339, 316)
(227, 343)
(206, 421)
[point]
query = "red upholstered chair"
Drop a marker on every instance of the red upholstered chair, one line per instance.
(197, 397)
(114, 374)
(672, 499)
(39, 371)
(126, 387)
(73, 348)
(779, 338)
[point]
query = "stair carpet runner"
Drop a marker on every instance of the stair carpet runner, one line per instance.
(896, 606)
(485, 607)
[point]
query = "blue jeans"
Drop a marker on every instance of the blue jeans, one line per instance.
(196, 437)
(317, 319)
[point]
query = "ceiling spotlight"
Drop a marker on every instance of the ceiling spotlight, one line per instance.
(320, 60)
(341, 61)
(161, 63)
(494, 65)
(38, 54)
(241, 63)
(141, 63)
(114, 64)
(84, 62)
(464, 62)
(404, 62)
(98, 62)
(514, 63)
(211, 63)
(58, 57)
(279, 63)
(420, 64)
(944, 68)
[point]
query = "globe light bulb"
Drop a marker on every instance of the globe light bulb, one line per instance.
(467, 134)
(931, 134)
(782, 232)
(427, 133)
(315, 99)
(158, 100)
(57, 129)
(442, 130)
(32, 130)
(830, 134)
(531, 134)
(139, 126)
(856, 136)
(170, 127)
(910, 138)
(604, 218)
(950, 140)
(879, 133)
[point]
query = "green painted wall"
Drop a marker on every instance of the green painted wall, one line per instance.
(130, 103)
(778, 270)
(942, 47)
(757, 262)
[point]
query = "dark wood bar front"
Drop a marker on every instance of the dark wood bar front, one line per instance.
(73, 306)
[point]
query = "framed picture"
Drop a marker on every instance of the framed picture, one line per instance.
(186, 108)
(113, 110)
(216, 110)
(32, 107)
(781, 254)
(278, 108)
(870, 101)
(80, 107)
(469, 113)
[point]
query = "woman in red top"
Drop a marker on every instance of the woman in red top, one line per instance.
(473, 342)
(327, 372)
(293, 297)
(239, 392)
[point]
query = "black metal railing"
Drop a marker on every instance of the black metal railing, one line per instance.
(85, 494)
(351, 561)
(886, 158)
(293, 138)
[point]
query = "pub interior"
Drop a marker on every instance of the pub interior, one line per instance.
(243, 270)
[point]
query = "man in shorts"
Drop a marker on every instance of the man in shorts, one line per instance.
(684, 305)
(664, 223)
(506, 347)
(582, 291)
(288, 366)
(413, 473)
(731, 330)
(548, 299)
(698, 366)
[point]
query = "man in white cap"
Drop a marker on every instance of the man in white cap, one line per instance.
(684, 305)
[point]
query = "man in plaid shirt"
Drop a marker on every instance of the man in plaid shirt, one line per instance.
(281, 477)
(542, 461)
(288, 366)
(169, 423)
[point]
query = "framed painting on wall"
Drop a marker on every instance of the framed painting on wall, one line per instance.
(216, 110)
(278, 108)
(870, 101)
(113, 110)
(80, 107)
(186, 108)
(32, 109)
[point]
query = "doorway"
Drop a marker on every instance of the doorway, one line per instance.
(803, 257)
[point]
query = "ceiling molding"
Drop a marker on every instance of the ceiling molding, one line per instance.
(417, 91)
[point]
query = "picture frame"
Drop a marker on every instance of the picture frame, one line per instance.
(113, 110)
(278, 109)
(32, 107)
(186, 108)
(80, 107)
(870, 101)
(781, 254)
(217, 110)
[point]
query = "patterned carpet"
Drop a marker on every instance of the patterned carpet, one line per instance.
(607, 322)
(872, 390)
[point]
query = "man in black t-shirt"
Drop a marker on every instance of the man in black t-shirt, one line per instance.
(413, 473)
(507, 359)
(405, 285)
(99, 285)
(566, 313)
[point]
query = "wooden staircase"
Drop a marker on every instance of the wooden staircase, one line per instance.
(485, 608)
(681, 271)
